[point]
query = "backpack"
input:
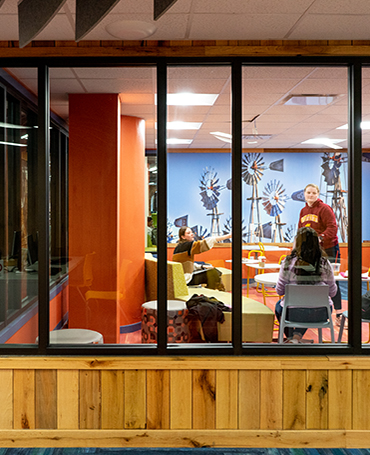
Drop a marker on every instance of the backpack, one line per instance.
(365, 306)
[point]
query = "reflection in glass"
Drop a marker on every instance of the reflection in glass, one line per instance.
(19, 233)
(199, 204)
(292, 137)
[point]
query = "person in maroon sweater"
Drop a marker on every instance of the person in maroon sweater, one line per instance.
(320, 217)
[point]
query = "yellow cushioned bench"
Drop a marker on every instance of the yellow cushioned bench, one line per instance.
(257, 319)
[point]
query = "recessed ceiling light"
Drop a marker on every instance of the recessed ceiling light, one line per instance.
(364, 126)
(131, 30)
(324, 141)
(176, 141)
(190, 99)
(182, 125)
(309, 100)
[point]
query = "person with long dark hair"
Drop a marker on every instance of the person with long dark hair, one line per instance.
(307, 264)
(185, 251)
(320, 216)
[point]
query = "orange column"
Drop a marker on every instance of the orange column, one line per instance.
(100, 192)
(132, 225)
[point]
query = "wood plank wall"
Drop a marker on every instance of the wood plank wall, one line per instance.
(185, 402)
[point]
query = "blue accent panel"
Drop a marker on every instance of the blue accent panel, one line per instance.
(18, 323)
(130, 328)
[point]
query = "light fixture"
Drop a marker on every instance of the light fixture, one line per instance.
(325, 141)
(364, 126)
(176, 141)
(190, 99)
(131, 30)
(13, 143)
(224, 137)
(309, 100)
(182, 125)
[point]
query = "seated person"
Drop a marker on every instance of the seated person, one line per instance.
(185, 251)
(307, 264)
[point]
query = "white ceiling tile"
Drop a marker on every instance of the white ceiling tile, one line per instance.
(251, 6)
(241, 26)
(195, 85)
(133, 86)
(58, 28)
(65, 86)
(331, 27)
(340, 7)
(116, 73)
(8, 27)
(321, 86)
(24, 73)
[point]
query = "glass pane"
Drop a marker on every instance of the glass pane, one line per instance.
(199, 204)
(292, 138)
(111, 122)
(18, 206)
(365, 269)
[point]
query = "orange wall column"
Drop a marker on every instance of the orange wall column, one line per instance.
(103, 182)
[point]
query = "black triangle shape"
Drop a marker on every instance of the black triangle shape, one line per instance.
(161, 6)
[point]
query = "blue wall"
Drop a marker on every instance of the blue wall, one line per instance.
(185, 171)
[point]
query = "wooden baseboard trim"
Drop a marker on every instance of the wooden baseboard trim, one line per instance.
(186, 438)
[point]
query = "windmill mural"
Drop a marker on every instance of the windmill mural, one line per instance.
(210, 192)
(331, 164)
(273, 201)
(253, 166)
(227, 229)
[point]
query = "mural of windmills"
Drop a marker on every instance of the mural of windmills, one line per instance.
(227, 229)
(200, 232)
(253, 166)
(273, 201)
(290, 233)
(331, 164)
(210, 192)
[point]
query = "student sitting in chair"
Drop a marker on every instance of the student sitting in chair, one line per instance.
(307, 264)
(185, 251)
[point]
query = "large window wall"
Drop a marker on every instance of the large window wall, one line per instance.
(237, 165)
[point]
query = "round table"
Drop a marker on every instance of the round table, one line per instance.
(75, 336)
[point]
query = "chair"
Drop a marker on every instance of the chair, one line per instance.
(342, 324)
(87, 275)
(306, 296)
(256, 254)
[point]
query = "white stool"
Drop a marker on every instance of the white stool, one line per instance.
(75, 336)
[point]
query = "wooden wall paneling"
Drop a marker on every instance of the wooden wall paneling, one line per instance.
(227, 399)
(271, 399)
(135, 399)
(317, 400)
(6, 399)
(46, 399)
(24, 399)
(68, 399)
(158, 399)
(294, 400)
(361, 400)
(90, 400)
(249, 399)
(340, 399)
(181, 405)
(112, 399)
(204, 399)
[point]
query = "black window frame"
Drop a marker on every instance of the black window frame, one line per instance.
(354, 346)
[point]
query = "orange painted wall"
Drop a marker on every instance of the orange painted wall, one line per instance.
(106, 211)
(132, 225)
(93, 179)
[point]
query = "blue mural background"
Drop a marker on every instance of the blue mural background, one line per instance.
(186, 169)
